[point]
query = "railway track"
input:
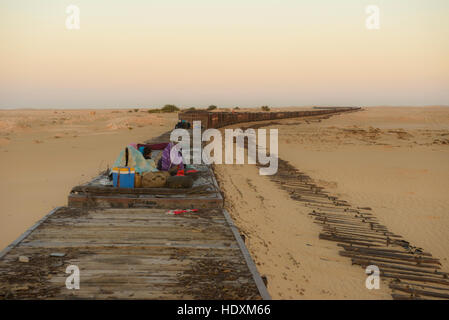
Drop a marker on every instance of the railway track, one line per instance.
(410, 272)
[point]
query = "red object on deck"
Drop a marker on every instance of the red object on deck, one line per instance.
(184, 211)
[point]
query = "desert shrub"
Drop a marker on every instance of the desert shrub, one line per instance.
(265, 108)
(237, 108)
(154, 110)
(170, 108)
(136, 110)
(191, 109)
(212, 107)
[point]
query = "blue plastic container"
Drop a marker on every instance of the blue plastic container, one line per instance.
(123, 177)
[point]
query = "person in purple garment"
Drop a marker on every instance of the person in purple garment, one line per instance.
(167, 162)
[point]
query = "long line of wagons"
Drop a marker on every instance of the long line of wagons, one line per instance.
(221, 119)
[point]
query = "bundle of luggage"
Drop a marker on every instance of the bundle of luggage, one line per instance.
(151, 166)
(183, 125)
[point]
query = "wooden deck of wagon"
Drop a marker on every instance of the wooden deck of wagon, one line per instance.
(204, 196)
(131, 254)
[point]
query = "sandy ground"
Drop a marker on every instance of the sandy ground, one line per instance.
(394, 160)
(44, 153)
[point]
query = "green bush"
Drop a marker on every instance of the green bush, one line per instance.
(191, 109)
(236, 108)
(170, 108)
(212, 107)
(265, 108)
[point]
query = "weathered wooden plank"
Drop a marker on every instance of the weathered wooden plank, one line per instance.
(99, 190)
(27, 233)
(252, 267)
(191, 202)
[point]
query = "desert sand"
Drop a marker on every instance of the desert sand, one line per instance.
(44, 153)
(394, 160)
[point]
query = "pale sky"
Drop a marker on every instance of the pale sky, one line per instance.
(228, 53)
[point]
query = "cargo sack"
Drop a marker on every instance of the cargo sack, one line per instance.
(137, 180)
(178, 182)
(154, 179)
(132, 157)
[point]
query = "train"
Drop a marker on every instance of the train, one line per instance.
(211, 119)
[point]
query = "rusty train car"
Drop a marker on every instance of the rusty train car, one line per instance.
(221, 119)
